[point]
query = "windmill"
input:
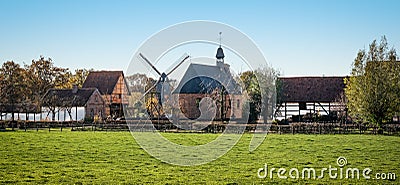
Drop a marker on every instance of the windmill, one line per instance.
(161, 86)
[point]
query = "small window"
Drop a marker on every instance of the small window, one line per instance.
(96, 99)
(238, 103)
(119, 96)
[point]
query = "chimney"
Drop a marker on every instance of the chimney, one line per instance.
(74, 88)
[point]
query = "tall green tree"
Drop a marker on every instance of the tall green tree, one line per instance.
(252, 88)
(260, 87)
(372, 90)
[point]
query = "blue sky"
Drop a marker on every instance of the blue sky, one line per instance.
(300, 38)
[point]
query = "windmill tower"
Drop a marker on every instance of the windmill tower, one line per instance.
(161, 89)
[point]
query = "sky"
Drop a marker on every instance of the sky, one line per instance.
(298, 37)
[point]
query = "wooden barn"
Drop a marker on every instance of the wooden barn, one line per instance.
(68, 99)
(214, 82)
(309, 96)
(113, 88)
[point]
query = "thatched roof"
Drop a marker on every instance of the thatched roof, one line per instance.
(104, 81)
(21, 108)
(311, 89)
(67, 97)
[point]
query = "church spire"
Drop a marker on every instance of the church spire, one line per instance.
(220, 38)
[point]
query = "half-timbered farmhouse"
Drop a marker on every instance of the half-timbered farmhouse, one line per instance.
(112, 87)
(310, 95)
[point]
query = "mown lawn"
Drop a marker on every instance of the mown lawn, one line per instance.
(115, 158)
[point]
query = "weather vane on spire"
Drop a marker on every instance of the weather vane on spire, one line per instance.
(220, 38)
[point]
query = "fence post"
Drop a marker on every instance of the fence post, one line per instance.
(319, 128)
(292, 128)
(279, 128)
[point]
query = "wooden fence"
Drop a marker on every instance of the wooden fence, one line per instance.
(165, 126)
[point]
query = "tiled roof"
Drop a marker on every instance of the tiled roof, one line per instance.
(200, 78)
(104, 81)
(311, 89)
(21, 108)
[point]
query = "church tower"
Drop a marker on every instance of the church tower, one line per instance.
(220, 53)
(220, 57)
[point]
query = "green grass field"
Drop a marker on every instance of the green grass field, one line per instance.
(115, 158)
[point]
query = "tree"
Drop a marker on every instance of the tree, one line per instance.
(78, 78)
(267, 79)
(252, 87)
(43, 75)
(55, 102)
(13, 86)
(137, 82)
(372, 90)
(260, 86)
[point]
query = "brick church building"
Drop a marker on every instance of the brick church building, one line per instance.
(215, 82)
